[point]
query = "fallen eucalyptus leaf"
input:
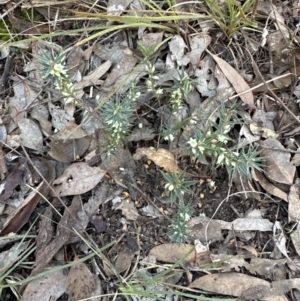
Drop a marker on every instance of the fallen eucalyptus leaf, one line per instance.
(80, 281)
(77, 179)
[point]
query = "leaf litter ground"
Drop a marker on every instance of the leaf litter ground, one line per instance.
(76, 224)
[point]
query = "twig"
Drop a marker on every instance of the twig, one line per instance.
(5, 73)
(273, 94)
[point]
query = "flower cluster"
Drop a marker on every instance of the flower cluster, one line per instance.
(177, 185)
(213, 143)
(54, 68)
(180, 90)
(151, 82)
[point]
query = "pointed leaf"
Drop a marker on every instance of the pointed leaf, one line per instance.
(77, 179)
(237, 81)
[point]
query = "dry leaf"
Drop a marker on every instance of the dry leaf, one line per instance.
(198, 229)
(244, 286)
(262, 131)
(161, 157)
(3, 163)
(247, 224)
(80, 281)
(128, 209)
(233, 284)
(92, 78)
(45, 231)
(237, 81)
(277, 162)
(59, 117)
(177, 47)
(296, 159)
(280, 239)
(120, 72)
(12, 255)
(41, 114)
(70, 130)
(151, 39)
(31, 135)
(294, 202)
(63, 234)
(49, 287)
(173, 252)
(123, 261)
(198, 43)
(295, 236)
(12, 181)
(269, 187)
(21, 215)
(260, 266)
(77, 179)
(70, 150)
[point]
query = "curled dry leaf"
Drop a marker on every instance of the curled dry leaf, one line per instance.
(269, 187)
(279, 238)
(77, 179)
(80, 282)
(262, 131)
(161, 157)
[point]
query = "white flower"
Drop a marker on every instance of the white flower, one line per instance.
(58, 70)
(220, 159)
(186, 217)
(193, 142)
(201, 149)
(227, 128)
(169, 137)
(159, 91)
(169, 187)
(222, 139)
(193, 120)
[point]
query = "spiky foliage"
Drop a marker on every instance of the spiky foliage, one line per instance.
(117, 114)
(55, 69)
